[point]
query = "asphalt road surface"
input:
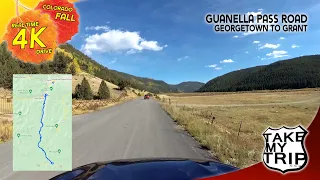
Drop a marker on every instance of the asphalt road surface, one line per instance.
(135, 129)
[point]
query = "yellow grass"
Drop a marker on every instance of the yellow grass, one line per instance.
(84, 111)
(5, 130)
(246, 98)
(221, 137)
(5, 93)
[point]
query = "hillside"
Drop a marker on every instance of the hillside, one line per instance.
(70, 60)
(187, 87)
(156, 86)
(92, 67)
(296, 73)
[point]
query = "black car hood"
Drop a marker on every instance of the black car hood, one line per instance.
(149, 169)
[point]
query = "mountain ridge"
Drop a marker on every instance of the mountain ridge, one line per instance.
(294, 73)
(188, 86)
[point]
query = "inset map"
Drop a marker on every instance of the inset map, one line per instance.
(42, 122)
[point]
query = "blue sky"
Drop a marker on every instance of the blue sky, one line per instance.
(169, 39)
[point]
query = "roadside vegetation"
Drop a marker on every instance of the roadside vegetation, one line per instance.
(103, 92)
(5, 130)
(233, 134)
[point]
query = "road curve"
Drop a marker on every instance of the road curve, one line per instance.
(135, 129)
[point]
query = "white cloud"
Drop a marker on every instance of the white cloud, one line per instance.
(250, 32)
(271, 46)
(211, 66)
(278, 54)
(294, 46)
(119, 41)
(255, 23)
(97, 28)
(282, 38)
(131, 51)
(256, 42)
(236, 36)
(112, 62)
(151, 45)
(217, 68)
(266, 58)
(246, 52)
(182, 58)
(255, 13)
(227, 61)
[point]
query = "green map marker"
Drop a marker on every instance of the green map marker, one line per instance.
(56, 125)
(19, 113)
(18, 135)
(59, 150)
(30, 91)
(51, 88)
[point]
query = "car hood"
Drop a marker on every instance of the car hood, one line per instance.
(155, 169)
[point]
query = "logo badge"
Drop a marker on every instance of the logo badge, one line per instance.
(284, 149)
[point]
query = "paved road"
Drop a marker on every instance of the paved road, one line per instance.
(135, 129)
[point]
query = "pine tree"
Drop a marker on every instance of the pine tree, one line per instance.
(78, 92)
(103, 92)
(122, 84)
(73, 70)
(86, 90)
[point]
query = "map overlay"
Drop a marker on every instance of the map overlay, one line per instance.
(42, 122)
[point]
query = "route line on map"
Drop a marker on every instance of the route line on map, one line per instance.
(44, 104)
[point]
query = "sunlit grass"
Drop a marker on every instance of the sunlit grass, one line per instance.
(6, 128)
(220, 134)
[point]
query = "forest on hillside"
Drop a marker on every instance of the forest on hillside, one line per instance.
(10, 65)
(296, 73)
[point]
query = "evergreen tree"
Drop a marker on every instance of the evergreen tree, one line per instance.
(83, 90)
(44, 68)
(78, 92)
(122, 84)
(73, 70)
(86, 90)
(60, 63)
(103, 92)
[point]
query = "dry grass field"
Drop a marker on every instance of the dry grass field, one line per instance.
(220, 134)
(261, 97)
(5, 129)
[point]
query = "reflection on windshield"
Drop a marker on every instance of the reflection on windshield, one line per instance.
(71, 174)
